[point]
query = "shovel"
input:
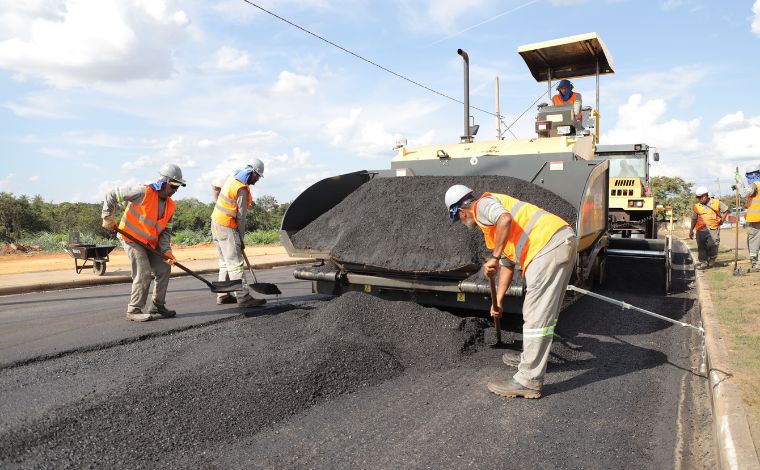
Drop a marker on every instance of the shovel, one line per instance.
(219, 287)
(261, 287)
(496, 320)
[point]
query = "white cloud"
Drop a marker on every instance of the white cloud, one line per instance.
(55, 152)
(756, 17)
(568, 2)
(34, 178)
(737, 137)
(289, 83)
(229, 59)
(7, 182)
(95, 40)
(672, 4)
(644, 121)
(677, 82)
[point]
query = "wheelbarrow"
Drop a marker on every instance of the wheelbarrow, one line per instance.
(87, 252)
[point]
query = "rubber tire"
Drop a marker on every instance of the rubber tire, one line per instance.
(99, 267)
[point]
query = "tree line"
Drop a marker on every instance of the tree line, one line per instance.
(22, 216)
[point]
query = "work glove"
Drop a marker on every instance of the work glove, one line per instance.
(496, 312)
(109, 223)
(733, 187)
(169, 258)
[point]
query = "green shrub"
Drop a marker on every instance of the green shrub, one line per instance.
(262, 237)
(190, 237)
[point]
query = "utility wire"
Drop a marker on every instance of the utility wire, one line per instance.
(363, 58)
(285, 20)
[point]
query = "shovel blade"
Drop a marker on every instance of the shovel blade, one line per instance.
(221, 287)
(265, 288)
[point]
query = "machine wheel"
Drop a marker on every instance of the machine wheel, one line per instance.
(600, 271)
(99, 267)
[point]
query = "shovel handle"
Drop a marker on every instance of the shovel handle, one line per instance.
(153, 250)
(494, 305)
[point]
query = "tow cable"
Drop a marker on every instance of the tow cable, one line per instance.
(627, 306)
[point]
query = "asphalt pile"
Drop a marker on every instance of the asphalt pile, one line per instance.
(402, 223)
(229, 381)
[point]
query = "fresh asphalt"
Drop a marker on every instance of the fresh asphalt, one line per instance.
(621, 389)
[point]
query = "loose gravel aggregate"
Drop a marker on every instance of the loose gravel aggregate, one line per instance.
(402, 223)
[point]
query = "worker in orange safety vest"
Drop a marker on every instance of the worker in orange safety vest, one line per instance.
(540, 244)
(566, 95)
(750, 189)
(228, 221)
(706, 218)
(147, 218)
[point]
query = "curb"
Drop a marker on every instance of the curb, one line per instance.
(25, 289)
(736, 450)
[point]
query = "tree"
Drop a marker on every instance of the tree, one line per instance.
(675, 192)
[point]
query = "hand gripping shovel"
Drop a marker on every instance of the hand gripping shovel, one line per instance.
(219, 287)
(260, 287)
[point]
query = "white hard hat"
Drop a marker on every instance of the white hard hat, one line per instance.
(258, 167)
(701, 190)
(173, 173)
(454, 196)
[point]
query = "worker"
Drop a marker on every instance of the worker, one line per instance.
(566, 95)
(228, 221)
(147, 218)
(544, 247)
(707, 216)
(750, 189)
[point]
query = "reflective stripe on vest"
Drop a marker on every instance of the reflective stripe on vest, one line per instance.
(526, 235)
(142, 221)
(226, 208)
(707, 215)
(753, 205)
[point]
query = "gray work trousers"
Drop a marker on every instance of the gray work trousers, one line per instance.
(708, 241)
(546, 281)
(230, 253)
(753, 241)
(145, 266)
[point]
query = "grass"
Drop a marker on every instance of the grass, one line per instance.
(54, 242)
(735, 299)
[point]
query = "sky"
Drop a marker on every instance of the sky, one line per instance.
(100, 93)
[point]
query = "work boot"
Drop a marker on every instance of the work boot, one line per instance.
(251, 302)
(511, 388)
(702, 265)
(137, 315)
(226, 299)
(511, 358)
(162, 310)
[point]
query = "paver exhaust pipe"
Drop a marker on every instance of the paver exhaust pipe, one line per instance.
(467, 137)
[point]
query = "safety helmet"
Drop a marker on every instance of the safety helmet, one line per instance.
(258, 167)
(454, 197)
(701, 190)
(566, 83)
(173, 173)
(753, 168)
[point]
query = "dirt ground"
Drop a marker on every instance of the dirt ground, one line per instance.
(38, 261)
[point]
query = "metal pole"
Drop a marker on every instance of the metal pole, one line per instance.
(736, 251)
(549, 84)
(717, 180)
(498, 111)
(625, 305)
(466, 137)
(597, 86)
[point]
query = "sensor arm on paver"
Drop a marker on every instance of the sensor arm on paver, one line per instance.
(626, 305)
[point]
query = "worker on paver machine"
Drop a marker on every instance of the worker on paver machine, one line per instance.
(751, 190)
(228, 222)
(147, 218)
(565, 95)
(544, 246)
(707, 216)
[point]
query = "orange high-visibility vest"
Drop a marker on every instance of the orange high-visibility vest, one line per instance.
(226, 208)
(753, 206)
(142, 220)
(707, 215)
(532, 228)
(558, 99)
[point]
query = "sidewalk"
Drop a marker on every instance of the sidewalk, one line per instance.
(118, 271)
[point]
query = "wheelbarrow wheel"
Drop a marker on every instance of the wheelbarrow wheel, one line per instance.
(99, 267)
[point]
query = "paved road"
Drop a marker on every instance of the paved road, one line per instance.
(620, 391)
